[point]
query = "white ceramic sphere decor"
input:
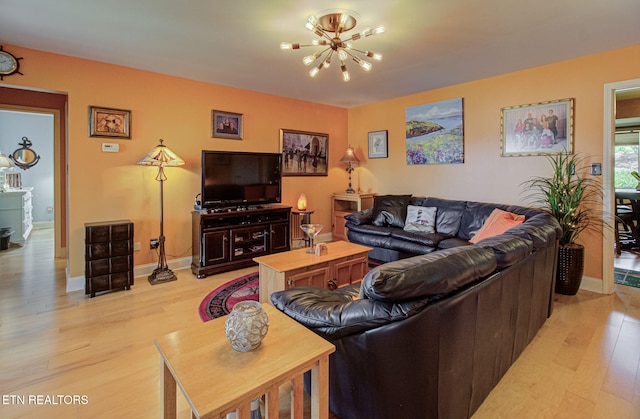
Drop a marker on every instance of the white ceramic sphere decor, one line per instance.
(246, 326)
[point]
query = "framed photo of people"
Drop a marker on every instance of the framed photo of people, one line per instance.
(304, 153)
(537, 129)
(226, 125)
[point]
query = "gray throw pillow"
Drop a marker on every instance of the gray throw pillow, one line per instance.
(420, 219)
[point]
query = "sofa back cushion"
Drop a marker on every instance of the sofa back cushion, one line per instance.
(508, 249)
(431, 275)
(448, 215)
(390, 210)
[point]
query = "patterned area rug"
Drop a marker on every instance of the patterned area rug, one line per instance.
(220, 301)
(626, 277)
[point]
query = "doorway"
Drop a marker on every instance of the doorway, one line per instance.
(55, 104)
(611, 90)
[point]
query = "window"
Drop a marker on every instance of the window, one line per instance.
(626, 161)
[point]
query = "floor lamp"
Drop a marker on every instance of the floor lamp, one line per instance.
(162, 157)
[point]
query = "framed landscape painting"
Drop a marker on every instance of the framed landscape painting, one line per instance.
(537, 129)
(304, 153)
(435, 133)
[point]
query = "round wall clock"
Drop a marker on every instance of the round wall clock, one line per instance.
(9, 64)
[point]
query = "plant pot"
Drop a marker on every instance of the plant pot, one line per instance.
(570, 269)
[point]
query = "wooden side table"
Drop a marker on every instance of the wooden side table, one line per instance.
(344, 204)
(215, 379)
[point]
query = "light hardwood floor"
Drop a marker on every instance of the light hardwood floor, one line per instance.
(584, 362)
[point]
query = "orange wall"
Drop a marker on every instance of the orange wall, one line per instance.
(110, 186)
(485, 175)
(106, 186)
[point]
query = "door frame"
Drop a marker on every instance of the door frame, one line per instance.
(608, 203)
(59, 248)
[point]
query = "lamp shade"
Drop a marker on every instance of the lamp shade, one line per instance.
(161, 156)
(5, 161)
(349, 156)
(302, 202)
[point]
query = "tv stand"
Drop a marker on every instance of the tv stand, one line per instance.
(224, 239)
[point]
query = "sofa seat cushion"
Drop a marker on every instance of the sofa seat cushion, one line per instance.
(427, 239)
(453, 242)
(372, 240)
(432, 275)
(370, 229)
(338, 313)
(507, 249)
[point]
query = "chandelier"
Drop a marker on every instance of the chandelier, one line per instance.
(329, 28)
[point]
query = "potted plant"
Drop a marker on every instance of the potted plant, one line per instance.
(574, 200)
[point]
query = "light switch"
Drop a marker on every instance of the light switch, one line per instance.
(110, 147)
(596, 169)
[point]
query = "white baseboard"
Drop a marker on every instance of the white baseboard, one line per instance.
(77, 283)
(592, 284)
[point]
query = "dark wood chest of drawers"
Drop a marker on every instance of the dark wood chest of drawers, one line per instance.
(108, 256)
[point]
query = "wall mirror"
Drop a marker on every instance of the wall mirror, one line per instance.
(24, 157)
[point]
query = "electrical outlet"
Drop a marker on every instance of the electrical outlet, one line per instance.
(137, 246)
(154, 243)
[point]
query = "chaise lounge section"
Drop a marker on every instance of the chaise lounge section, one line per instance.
(431, 335)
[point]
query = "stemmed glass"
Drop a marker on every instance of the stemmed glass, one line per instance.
(311, 230)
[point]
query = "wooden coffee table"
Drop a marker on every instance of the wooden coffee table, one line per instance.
(215, 379)
(344, 264)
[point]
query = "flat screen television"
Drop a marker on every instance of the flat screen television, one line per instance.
(234, 178)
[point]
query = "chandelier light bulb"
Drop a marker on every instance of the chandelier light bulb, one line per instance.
(345, 73)
(314, 71)
(310, 59)
(342, 55)
(374, 55)
(366, 66)
(380, 29)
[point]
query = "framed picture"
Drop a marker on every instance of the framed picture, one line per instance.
(304, 153)
(537, 129)
(378, 144)
(108, 122)
(435, 133)
(226, 125)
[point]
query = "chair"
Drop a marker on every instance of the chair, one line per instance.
(626, 223)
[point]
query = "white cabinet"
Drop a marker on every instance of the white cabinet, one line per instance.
(15, 212)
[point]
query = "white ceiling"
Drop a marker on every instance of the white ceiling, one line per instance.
(427, 43)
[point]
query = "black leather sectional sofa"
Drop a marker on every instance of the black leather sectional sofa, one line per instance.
(429, 336)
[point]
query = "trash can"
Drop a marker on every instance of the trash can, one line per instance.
(5, 235)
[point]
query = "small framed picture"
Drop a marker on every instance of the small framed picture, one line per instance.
(378, 145)
(537, 129)
(304, 153)
(226, 125)
(108, 122)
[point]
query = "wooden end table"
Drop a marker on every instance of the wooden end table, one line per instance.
(344, 264)
(215, 379)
